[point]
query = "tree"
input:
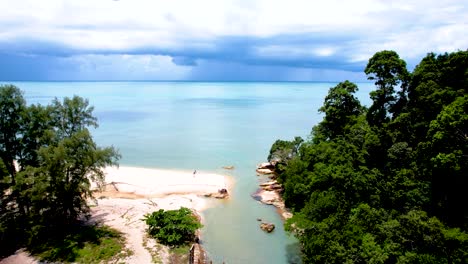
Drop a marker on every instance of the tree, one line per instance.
(12, 106)
(37, 130)
(388, 71)
(387, 185)
(72, 115)
(341, 108)
(449, 160)
(58, 159)
(70, 161)
(70, 167)
(282, 151)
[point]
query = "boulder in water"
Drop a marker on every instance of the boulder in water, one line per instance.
(222, 193)
(267, 227)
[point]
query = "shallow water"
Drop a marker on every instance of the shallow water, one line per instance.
(204, 126)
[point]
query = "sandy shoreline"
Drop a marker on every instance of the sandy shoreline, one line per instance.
(144, 182)
(132, 192)
(147, 190)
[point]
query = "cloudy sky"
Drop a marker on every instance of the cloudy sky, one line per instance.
(265, 40)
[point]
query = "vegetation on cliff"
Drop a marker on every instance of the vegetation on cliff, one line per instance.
(385, 184)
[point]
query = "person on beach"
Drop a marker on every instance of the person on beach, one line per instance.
(194, 172)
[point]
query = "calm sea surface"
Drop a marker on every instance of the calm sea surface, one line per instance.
(204, 126)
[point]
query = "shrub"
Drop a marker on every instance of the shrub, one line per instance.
(172, 227)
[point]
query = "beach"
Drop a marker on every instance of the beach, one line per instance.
(134, 182)
(130, 193)
(204, 126)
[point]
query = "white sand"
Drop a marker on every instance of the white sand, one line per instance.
(132, 192)
(149, 190)
(156, 182)
(126, 216)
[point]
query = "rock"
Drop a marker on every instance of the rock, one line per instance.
(267, 197)
(266, 165)
(271, 186)
(286, 215)
(265, 171)
(259, 219)
(222, 193)
(268, 183)
(228, 167)
(219, 196)
(276, 186)
(267, 227)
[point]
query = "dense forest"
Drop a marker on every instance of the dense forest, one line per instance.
(48, 159)
(385, 183)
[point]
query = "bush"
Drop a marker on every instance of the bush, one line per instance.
(172, 227)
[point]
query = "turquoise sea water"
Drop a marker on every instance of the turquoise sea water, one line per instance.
(204, 126)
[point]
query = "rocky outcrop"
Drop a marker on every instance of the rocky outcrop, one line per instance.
(271, 186)
(228, 167)
(221, 194)
(266, 165)
(265, 171)
(272, 197)
(267, 227)
(265, 168)
(269, 193)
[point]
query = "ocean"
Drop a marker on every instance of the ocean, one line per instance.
(205, 126)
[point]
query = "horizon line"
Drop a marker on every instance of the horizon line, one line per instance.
(183, 81)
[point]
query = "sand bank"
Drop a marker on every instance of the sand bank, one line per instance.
(133, 182)
(148, 190)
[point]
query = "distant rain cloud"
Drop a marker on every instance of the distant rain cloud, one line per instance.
(251, 40)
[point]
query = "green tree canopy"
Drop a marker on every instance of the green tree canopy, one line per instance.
(386, 184)
(388, 71)
(341, 108)
(12, 107)
(57, 161)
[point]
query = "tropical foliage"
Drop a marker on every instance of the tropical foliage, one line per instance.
(48, 160)
(385, 184)
(172, 227)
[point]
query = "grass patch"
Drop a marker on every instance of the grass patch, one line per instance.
(83, 244)
(180, 254)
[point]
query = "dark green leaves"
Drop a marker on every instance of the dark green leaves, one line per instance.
(12, 107)
(172, 227)
(341, 108)
(387, 184)
(388, 71)
(57, 160)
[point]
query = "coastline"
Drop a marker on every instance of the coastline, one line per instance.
(130, 193)
(269, 191)
(150, 183)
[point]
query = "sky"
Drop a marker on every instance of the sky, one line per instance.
(215, 40)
